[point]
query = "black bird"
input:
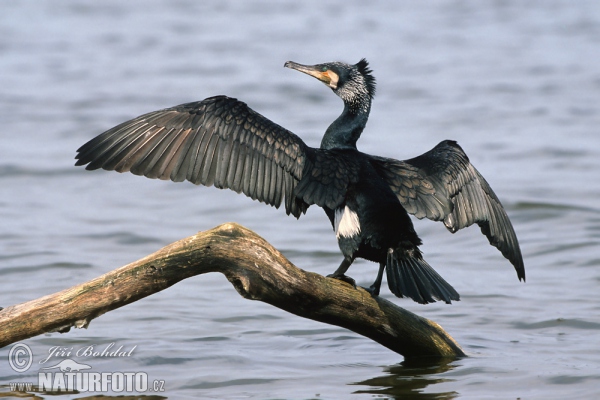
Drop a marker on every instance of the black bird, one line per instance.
(220, 141)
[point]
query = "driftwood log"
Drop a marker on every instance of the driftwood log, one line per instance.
(256, 270)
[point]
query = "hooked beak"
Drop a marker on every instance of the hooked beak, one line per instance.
(328, 77)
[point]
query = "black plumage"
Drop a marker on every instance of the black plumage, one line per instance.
(220, 141)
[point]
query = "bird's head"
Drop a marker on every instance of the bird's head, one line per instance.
(353, 83)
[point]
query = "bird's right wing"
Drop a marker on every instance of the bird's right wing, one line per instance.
(218, 141)
(443, 185)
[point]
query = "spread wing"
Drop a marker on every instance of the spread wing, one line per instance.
(218, 141)
(443, 185)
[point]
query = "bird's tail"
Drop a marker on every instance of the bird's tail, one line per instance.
(408, 275)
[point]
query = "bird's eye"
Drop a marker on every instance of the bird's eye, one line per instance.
(324, 69)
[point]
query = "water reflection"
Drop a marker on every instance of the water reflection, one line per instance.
(408, 379)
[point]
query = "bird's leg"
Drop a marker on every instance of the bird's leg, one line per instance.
(340, 273)
(374, 288)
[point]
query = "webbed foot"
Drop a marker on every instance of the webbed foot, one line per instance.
(373, 289)
(343, 278)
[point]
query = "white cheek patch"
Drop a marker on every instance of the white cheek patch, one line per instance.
(346, 222)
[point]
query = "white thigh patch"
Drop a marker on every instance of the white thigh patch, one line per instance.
(346, 222)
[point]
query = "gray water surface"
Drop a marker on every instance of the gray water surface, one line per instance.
(517, 84)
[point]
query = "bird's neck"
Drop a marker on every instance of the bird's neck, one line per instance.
(346, 129)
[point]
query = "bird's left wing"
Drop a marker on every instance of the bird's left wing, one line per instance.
(218, 141)
(443, 185)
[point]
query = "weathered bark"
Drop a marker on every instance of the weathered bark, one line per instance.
(256, 270)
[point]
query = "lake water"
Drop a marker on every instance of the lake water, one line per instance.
(517, 84)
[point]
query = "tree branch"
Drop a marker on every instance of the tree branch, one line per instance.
(256, 270)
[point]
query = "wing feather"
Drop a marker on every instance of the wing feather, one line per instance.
(184, 163)
(443, 185)
(219, 141)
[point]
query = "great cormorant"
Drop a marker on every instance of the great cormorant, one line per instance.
(220, 141)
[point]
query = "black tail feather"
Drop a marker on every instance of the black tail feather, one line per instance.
(409, 275)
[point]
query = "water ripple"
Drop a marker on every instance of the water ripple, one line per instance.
(557, 323)
(31, 269)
